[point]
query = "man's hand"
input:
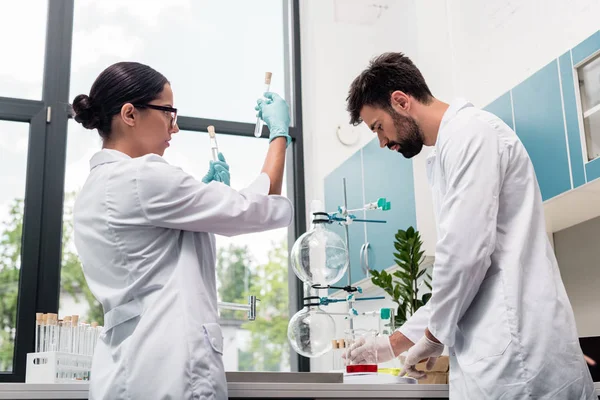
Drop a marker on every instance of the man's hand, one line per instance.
(424, 349)
(374, 351)
(386, 348)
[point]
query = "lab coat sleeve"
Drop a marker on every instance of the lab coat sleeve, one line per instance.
(414, 327)
(171, 198)
(471, 170)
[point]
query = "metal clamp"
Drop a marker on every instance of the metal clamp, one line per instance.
(364, 258)
(250, 307)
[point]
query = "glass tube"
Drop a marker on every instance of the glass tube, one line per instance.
(38, 332)
(259, 122)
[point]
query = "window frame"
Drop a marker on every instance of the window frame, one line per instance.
(48, 118)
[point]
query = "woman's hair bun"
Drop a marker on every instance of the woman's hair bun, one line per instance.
(86, 113)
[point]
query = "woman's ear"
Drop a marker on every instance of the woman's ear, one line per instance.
(128, 114)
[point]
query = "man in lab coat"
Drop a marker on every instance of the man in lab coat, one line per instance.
(498, 301)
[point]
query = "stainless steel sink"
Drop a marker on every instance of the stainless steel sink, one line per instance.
(286, 377)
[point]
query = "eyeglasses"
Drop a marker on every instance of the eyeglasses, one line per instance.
(172, 111)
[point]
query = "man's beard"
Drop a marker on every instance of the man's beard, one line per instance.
(412, 141)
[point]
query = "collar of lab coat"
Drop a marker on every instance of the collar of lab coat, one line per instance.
(455, 106)
(105, 156)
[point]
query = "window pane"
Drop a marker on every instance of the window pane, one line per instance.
(215, 53)
(589, 89)
(23, 28)
(248, 264)
(75, 296)
(589, 81)
(14, 139)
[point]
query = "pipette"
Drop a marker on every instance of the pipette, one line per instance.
(213, 142)
(259, 123)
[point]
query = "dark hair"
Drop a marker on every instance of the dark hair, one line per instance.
(121, 83)
(386, 74)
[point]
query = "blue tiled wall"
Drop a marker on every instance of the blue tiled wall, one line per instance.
(375, 173)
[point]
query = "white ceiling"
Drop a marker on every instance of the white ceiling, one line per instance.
(361, 12)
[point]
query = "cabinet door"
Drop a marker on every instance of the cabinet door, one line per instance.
(572, 125)
(387, 174)
(351, 169)
(539, 123)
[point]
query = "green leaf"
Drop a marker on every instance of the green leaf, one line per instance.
(426, 297)
(404, 276)
(421, 273)
(397, 293)
(428, 285)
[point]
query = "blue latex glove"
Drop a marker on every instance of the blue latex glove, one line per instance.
(218, 171)
(276, 114)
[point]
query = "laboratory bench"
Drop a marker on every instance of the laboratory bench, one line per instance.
(249, 390)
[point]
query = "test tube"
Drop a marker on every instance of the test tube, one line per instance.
(38, 332)
(65, 328)
(334, 353)
(60, 335)
(44, 333)
(54, 332)
(341, 350)
(259, 123)
(75, 338)
(213, 142)
(83, 328)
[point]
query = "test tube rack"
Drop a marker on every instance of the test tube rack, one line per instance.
(63, 350)
(58, 367)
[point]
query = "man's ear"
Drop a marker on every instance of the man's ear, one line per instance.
(399, 101)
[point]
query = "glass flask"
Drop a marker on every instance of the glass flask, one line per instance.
(368, 362)
(310, 331)
(319, 256)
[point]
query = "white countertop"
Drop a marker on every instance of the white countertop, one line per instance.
(249, 391)
(252, 390)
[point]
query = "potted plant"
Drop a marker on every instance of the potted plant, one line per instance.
(404, 286)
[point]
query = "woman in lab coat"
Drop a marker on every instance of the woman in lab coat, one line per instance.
(144, 231)
(498, 301)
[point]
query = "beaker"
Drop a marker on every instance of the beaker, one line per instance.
(365, 361)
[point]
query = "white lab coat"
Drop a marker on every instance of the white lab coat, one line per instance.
(144, 231)
(498, 300)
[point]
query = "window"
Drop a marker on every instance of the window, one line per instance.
(23, 26)
(214, 57)
(589, 90)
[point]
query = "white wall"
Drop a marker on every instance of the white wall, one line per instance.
(465, 48)
(338, 39)
(578, 256)
(499, 44)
